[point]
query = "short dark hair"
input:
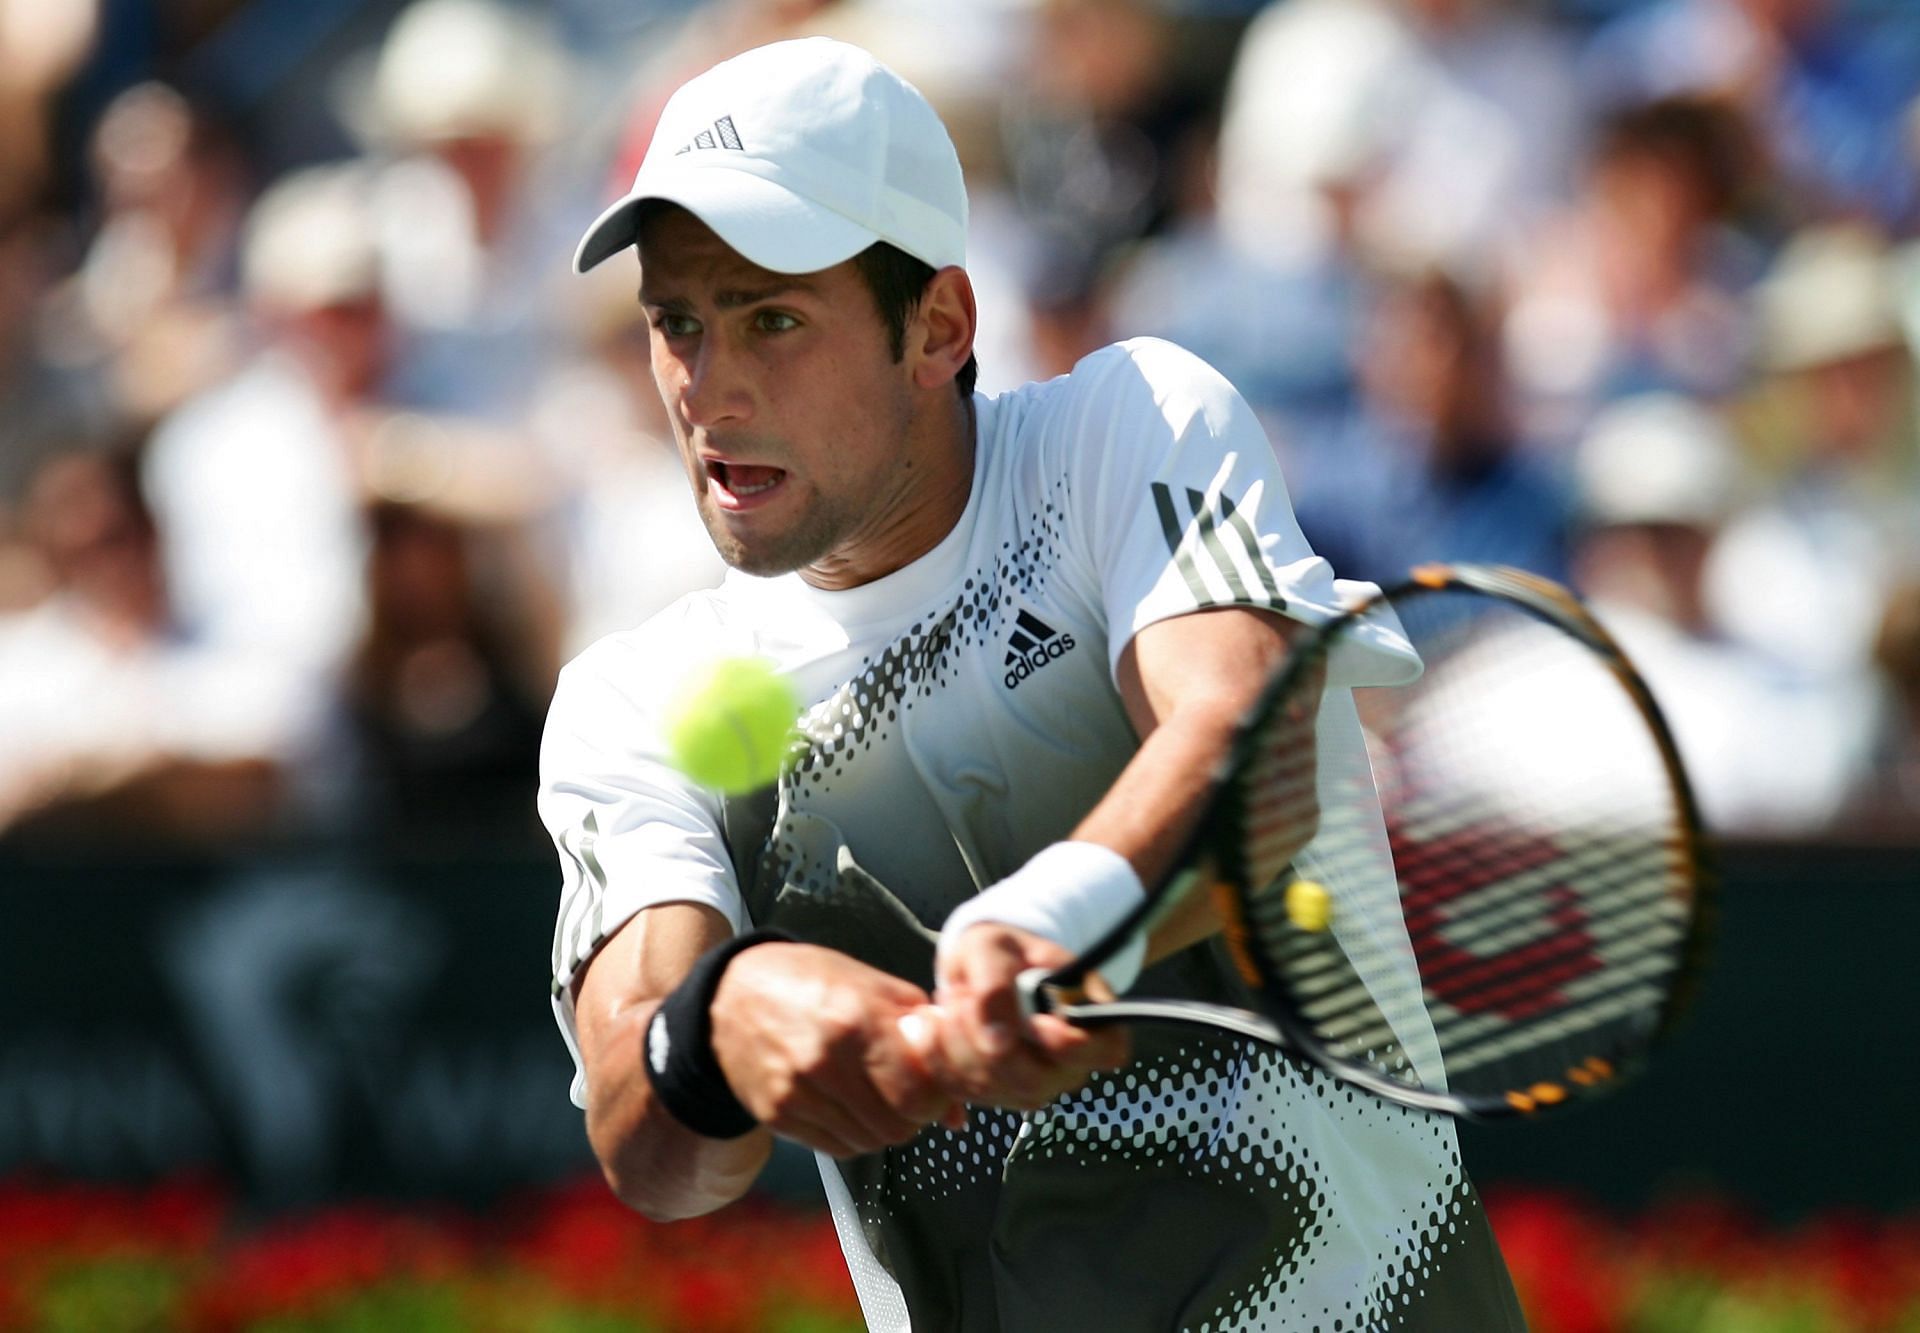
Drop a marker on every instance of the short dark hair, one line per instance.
(1706, 139)
(898, 281)
(895, 278)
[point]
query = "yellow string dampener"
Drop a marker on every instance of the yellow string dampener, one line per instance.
(1309, 905)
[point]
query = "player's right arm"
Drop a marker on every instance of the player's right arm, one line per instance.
(653, 1163)
(808, 1039)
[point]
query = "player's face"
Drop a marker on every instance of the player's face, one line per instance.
(792, 416)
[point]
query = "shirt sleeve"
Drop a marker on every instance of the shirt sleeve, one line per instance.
(1186, 508)
(631, 832)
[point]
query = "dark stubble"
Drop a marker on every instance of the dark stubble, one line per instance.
(823, 525)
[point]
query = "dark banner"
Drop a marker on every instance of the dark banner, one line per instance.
(309, 1028)
(306, 1028)
(1789, 1086)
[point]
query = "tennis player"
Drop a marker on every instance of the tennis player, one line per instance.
(1024, 627)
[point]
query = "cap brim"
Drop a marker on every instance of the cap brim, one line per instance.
(765, 222)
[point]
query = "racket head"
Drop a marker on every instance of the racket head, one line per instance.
(1551, 882)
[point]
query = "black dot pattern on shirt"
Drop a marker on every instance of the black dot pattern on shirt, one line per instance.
(908, 672)
(1229, 1119)
(1225, 1117)
(943, 1161)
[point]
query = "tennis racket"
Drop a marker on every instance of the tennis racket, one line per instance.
(1529, 915)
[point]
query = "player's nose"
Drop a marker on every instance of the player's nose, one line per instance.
(714, 390)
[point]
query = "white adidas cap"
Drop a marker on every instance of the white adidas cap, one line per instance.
(800, 155)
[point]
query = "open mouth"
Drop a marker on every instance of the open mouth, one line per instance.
(738, 484)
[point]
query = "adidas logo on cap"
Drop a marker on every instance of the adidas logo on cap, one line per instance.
(722, 135)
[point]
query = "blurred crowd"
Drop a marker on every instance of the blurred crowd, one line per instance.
(316, 461)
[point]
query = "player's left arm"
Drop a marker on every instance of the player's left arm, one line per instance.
(1182, 521)
(1186, 682)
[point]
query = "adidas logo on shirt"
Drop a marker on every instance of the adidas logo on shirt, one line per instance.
(722, 135)
(1034, 644)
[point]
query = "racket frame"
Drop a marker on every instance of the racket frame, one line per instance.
(1213, 853)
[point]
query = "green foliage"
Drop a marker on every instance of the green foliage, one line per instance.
(109, 1294)
(172, 1260)
(812, 1321)
(587, 1321)
(378, 1309)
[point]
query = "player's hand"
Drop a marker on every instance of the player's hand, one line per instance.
(810, 1042)
(985, 1049)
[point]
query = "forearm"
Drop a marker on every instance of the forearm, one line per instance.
(806, 1041)
(1187, 685)
(653, 1163)
(1057, 905)
(1155, 804)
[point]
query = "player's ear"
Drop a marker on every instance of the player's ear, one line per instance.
(940, 335)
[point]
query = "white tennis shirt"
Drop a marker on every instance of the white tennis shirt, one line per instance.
(962, 714)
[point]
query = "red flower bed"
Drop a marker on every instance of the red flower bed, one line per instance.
(76, 1259)
(1701, 1266)
(91, 1260)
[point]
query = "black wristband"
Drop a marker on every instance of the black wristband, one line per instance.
(680, 1062)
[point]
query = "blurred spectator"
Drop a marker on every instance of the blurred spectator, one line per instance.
(1415, 132)
(353, 595)
(256, 483)
(1282, 332)
(633, 539)
(44, 406)
(1822, 83)
(1358, 136)
(41, 45)
(151, 305)
(444, 712)
(112, 723)
(1807, 572)
(1096, 129)
(1641, 287)
(474, 236)
(1276, 315)
(960, 58)
(1770, 751)
(1428, 467)
(1888, 801)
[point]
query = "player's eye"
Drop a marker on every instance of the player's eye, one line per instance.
(774, 321)
(676, 325)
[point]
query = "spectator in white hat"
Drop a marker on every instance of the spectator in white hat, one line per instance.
(255, 483)
(461, 104)
(1806, 573)
(1771, 750)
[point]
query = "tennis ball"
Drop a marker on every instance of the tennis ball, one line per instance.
(1309, 905)
(729, 726)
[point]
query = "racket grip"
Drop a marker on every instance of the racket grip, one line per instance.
(1032, 988)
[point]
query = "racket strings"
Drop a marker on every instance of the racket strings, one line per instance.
(1538, 1005)
(1511, 934)
(1542, 855)
(1282, 805)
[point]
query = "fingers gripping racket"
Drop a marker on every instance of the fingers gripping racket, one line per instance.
(1548, 872)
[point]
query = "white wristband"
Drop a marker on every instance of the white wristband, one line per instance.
(1072, 893)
